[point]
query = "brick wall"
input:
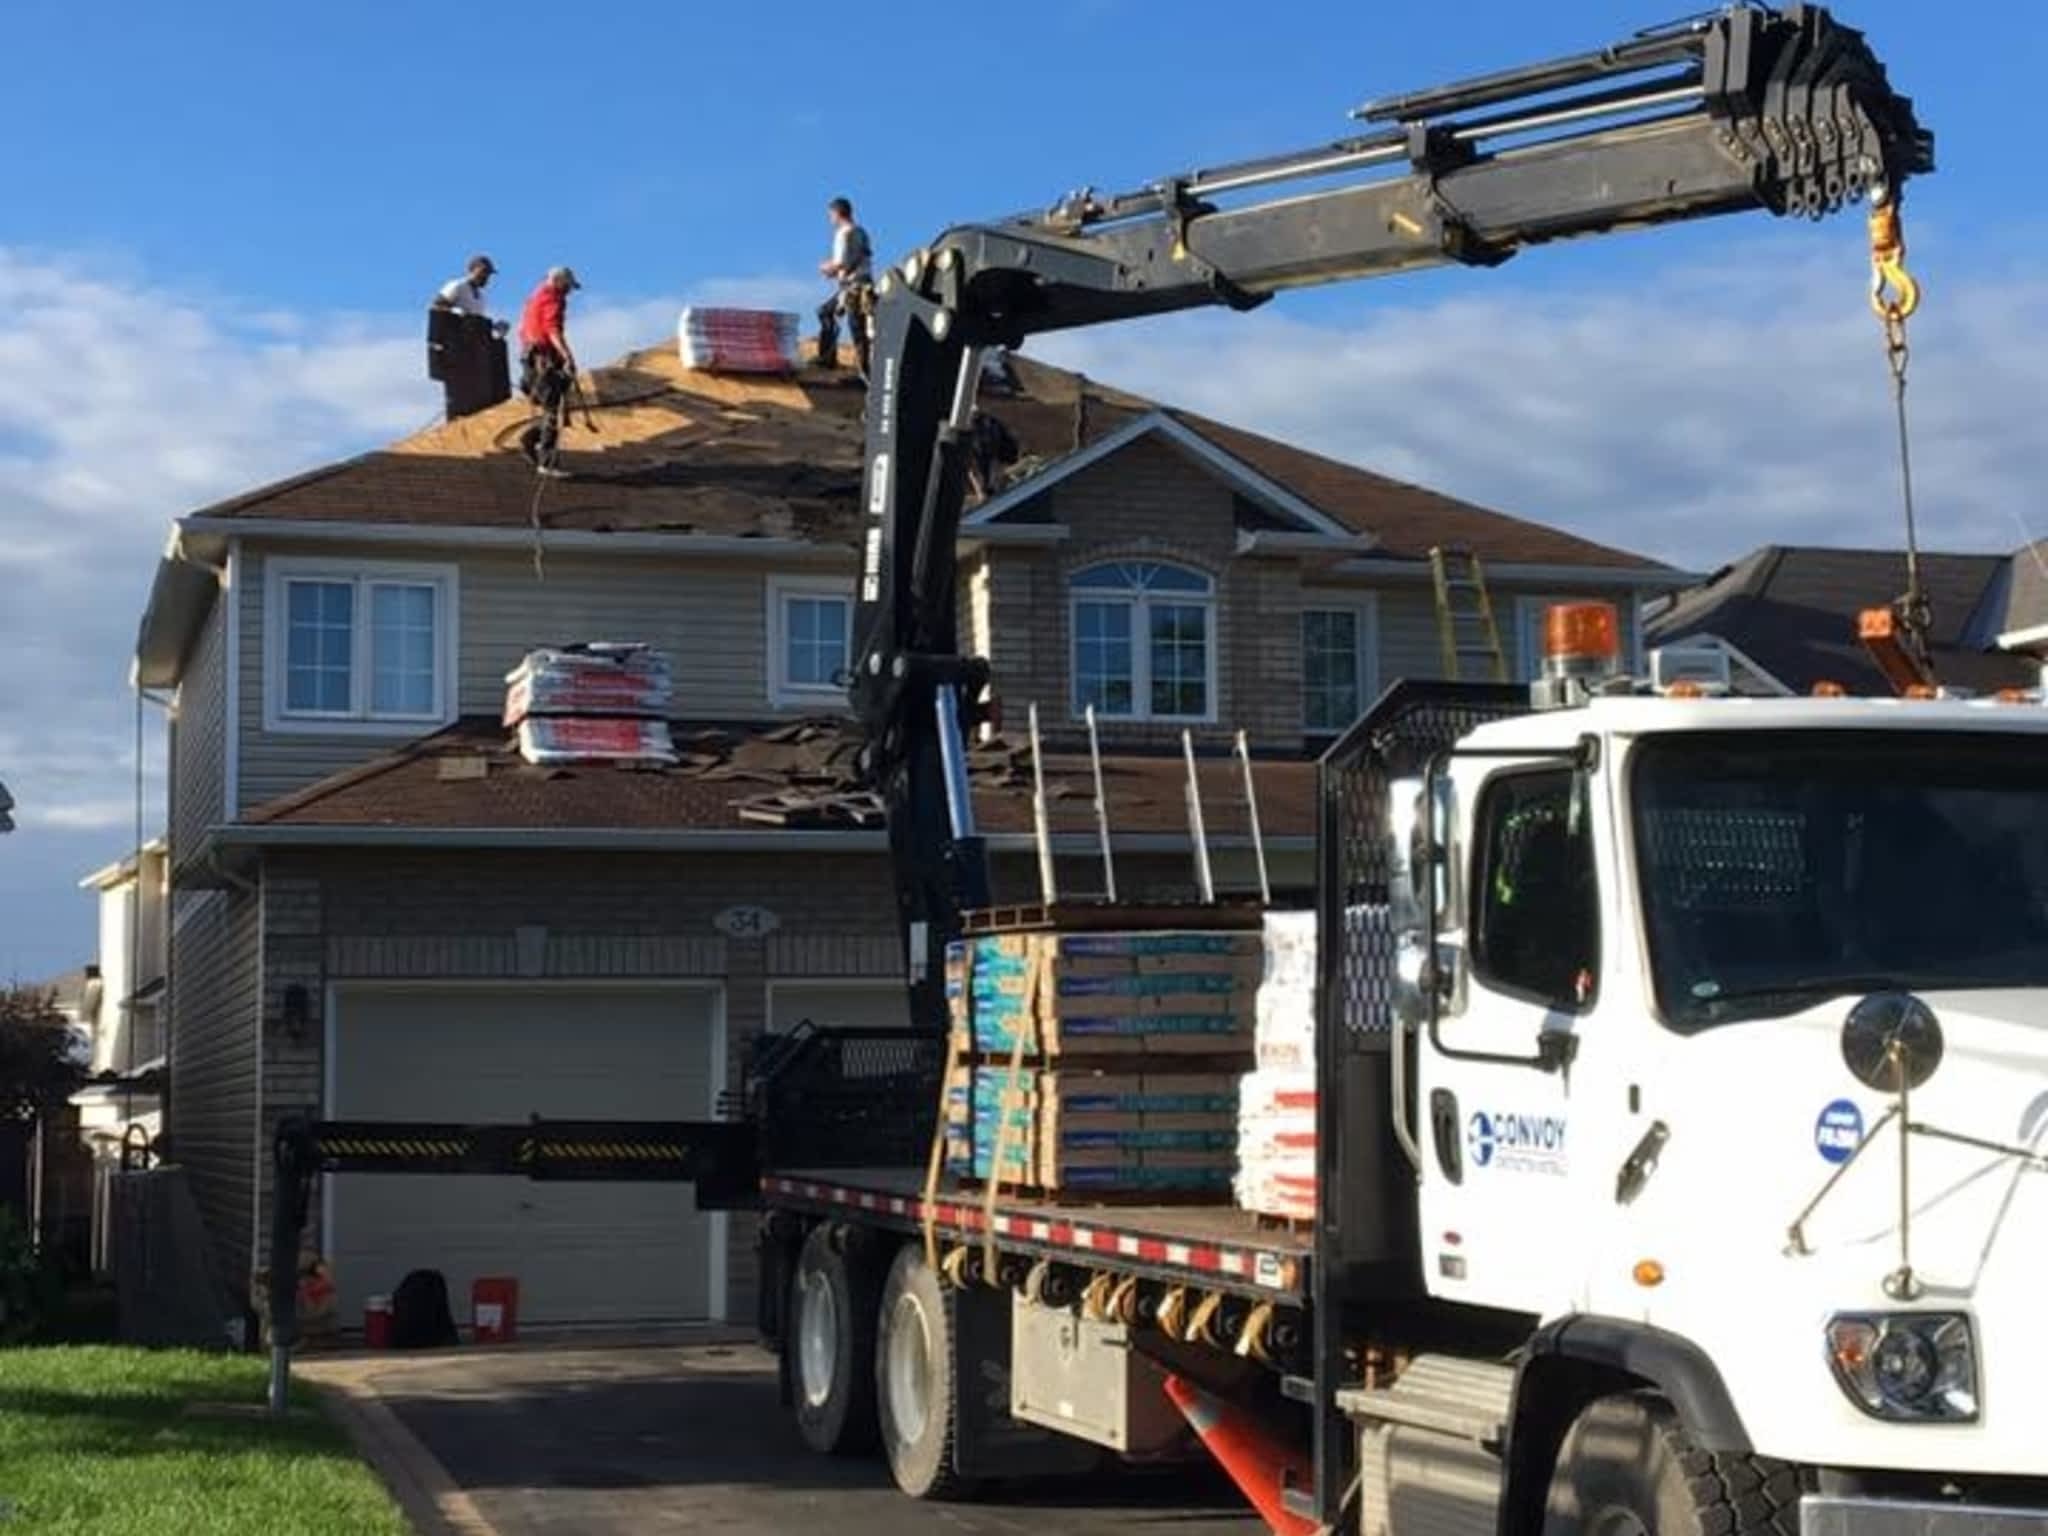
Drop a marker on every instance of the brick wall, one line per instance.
(340, 916)
(1150, 501)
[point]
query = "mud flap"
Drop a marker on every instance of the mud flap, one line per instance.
(987, 1442)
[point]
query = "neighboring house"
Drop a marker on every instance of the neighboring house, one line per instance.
(1786, 617)
(124, 1022)
(380, 912)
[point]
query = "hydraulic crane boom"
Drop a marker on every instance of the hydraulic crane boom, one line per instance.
(1744, 108)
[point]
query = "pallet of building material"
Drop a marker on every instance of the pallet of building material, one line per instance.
(738, 340)
(1154, 1176)
(1104, 994)
(551, 740)
(1073, 1128)
(597, 678)
(1276, 1143)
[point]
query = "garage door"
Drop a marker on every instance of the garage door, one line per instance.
(582, 1253)
(857, 1002)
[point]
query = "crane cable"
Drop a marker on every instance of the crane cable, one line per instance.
(1894, 296)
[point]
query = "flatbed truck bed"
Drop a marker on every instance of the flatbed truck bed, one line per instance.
(1215, 1247)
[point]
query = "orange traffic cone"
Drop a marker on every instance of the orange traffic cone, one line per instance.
(1259, 1465)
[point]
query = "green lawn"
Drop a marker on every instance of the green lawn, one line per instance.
(118, 1441)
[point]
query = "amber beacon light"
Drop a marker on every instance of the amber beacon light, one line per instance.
(1582, 637)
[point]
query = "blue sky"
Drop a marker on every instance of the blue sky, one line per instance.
(219, 221)
(344, 155)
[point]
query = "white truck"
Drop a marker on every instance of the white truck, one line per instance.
(1685, 1125)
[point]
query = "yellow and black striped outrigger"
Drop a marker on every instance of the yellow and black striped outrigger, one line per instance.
(716, 1155)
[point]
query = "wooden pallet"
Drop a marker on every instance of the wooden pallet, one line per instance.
(1113, 917)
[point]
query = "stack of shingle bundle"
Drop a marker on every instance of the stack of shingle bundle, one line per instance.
(592, 702)
(1077, 1128)
(1099, 1061)
(1276, 1127)
(738, 340)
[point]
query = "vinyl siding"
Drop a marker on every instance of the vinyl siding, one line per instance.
(199, 738)
(212, 1112)
(710, 617)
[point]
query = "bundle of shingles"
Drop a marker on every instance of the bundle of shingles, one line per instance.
(738, 340)
(592, 702)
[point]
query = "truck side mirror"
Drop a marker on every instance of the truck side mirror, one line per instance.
(1422, 892)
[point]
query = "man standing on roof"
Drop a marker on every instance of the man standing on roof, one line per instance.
(547, 368)
(465, 294)
(851, 266)
(465, 346)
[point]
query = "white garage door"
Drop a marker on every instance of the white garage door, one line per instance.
(861, 1002)
(582, 1253)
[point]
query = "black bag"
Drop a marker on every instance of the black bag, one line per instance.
(420, 1318)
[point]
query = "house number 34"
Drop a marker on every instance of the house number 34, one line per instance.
(746, 922)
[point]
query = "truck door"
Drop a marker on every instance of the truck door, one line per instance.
(1498, 1131)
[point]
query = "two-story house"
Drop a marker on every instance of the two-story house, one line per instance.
(380, 911)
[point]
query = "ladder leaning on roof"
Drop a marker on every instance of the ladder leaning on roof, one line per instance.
(1464, 616)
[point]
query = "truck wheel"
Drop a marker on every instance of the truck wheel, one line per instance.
(829, 1348)
(1627, 1468)
(914, 1365)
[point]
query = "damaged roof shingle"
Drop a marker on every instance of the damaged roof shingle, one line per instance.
(799, 775)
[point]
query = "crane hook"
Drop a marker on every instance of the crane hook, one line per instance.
(1894, 292)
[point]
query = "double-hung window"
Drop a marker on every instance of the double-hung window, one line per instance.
(1338, 661)
(810, 638)
(359, 646)
(1144, 641)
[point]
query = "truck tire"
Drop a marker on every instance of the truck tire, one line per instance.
(828, 1347)
(1628, 1468)
(915, 1361)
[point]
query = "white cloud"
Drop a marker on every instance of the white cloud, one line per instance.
(1691, 416)
(133, 403)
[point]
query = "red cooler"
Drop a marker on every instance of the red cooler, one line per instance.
(494, 1309)
(377, 1322)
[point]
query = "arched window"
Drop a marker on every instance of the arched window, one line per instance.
(1144, 642)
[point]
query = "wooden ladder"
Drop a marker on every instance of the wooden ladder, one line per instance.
(1464, 617)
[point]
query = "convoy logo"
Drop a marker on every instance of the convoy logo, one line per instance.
(1839, 1131)
(1516, 1143)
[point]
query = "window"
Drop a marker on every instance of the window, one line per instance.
(1536, 933)
(359, 647)
(1338, 676)
(1143, 643)
(810, 636)
(1782, 870)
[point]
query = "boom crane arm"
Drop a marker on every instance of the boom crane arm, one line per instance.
(1745, 108)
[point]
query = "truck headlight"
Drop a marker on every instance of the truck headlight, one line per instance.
(1911, 1367)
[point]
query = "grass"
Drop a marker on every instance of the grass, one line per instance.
(107, 1440)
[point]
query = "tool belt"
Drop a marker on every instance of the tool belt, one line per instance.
(543, 375)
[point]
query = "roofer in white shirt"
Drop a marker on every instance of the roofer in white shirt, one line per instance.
(465, 294)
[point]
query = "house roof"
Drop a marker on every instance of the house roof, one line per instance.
(2025, 607)
(676, 450)
(1792, 610)
(469, 776)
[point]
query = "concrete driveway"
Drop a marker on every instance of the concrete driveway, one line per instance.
(549, 1440)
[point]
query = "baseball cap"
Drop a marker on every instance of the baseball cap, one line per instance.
(565, 275)
(485, 262)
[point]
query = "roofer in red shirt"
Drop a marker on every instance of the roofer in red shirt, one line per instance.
(547, 368)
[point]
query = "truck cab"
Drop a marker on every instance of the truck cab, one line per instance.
(1721, 1035)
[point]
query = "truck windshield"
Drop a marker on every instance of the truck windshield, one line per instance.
(1781, 869)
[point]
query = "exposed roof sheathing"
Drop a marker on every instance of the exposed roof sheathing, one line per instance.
(669, 449)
